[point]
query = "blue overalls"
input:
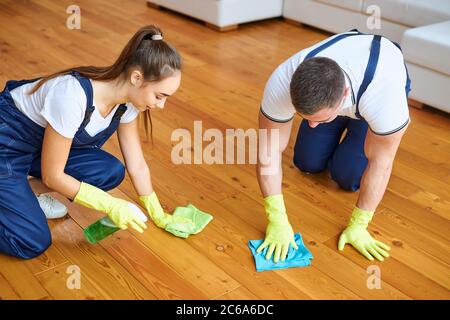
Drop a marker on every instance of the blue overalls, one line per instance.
(24, 231)
(317, 149)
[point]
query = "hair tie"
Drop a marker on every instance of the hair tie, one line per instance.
(157, 37)
(153, 37)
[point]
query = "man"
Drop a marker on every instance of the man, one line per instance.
(351, 81)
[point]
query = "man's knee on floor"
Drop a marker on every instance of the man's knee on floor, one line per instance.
(309, 165)
(348, 177)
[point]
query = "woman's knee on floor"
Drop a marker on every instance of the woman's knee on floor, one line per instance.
(41, 243)
(112, 175)
(28, 243)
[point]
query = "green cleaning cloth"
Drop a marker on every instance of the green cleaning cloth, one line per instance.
(199, 218)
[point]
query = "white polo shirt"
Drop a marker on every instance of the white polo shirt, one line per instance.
(62, 103)
(383, 105)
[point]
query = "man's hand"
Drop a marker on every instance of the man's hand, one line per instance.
(279, 233)
(357, 235)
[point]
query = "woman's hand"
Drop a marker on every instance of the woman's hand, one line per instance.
(178, 225)
(118, 210)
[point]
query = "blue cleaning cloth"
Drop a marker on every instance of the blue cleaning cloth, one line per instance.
(295, 258)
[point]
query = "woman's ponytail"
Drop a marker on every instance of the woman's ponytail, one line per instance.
(146, 50)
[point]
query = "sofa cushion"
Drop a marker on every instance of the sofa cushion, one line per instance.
(428, 46)
(413, 13)
(354, 5)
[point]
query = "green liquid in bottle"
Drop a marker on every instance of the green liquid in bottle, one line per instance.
(99, 230)
(104, 227)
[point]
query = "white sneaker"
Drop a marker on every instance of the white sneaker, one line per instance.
(52, 208)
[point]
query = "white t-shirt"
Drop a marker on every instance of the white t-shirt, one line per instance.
(383, 105)
(62, 103)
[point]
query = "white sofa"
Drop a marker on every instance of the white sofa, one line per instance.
(422, 27)
(225, 14)
(427, 54)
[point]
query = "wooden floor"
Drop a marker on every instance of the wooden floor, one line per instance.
(223, 80)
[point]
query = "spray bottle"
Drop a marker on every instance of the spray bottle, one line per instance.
(104, 227)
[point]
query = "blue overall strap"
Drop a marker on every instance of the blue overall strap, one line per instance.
(370, 70)
(87, 87)
(408, 79)
(408, 82)
(327, 44)
(120, 111)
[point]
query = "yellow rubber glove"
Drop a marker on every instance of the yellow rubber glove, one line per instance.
(357, 235)
(180, 225)
(279, 233)
(118, 210)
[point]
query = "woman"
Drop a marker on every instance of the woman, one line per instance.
(54, 127)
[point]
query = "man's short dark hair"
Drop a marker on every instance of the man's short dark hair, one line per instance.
(318, 83)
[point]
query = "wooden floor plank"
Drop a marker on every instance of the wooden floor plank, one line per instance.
(7, 290)
(224, 75)
(18, 281)
(241, 293)
(140, 261)
(58, 283)
(399, 275)
(102, 270)
(190, 263)
(326, 262)
(156, 275)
